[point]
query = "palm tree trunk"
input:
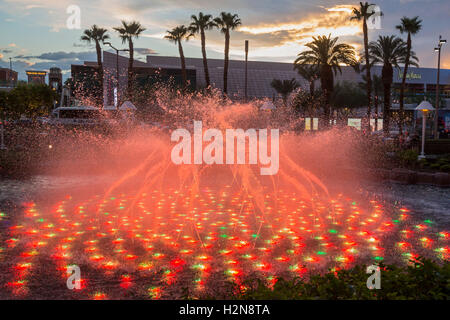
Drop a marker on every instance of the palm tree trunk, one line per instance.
(100, 72)
(225, 67)
(402, 88)
(311, 88)
(327, 83)
(376, 108)
(369, 78)
(130, 69)
(205, 60)
(386, 75)
(183, 64)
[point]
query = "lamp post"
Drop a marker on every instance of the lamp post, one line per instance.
(117, 69)
(424, 106)
(436, 115)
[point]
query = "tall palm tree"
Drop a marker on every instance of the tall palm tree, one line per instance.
(377, 86)
(98, 36)
(127, 32)
(177, 35)
(199, 25)
(284, 88)
(328, 57)
(389, 51)
(363, 13)
(310, 73)
(411, 26)
(227, 22)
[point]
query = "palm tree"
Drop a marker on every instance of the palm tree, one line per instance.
(200, 24)
(127, 32)
(363, 13)
(227, 22)
(284, 88)
(310, 73)
(177, 35)
(328, 57)
(377, 86)
(411, 26)
(97, 35)
(390, 51)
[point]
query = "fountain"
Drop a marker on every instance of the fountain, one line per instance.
(140, 226)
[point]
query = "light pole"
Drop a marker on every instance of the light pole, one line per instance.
(246, 76)
(424, 106)
(117, 69)
(436, 114)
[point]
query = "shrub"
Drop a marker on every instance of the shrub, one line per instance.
(407, 158)
(423, 279)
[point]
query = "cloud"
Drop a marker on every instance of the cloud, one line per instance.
(145, 51)
(61, 56)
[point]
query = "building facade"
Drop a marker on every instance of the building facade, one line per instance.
(8, 77)
(36, 77)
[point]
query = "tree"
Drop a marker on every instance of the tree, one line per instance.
(30, 100)
(377, 86)
(227, 22)
(127, 32)
(411, 26)
(284, 88)
(363, 13)
(199, 25)
(389, 51)
(310, 73)
(97, 35)
(177, 35)
(328, 57)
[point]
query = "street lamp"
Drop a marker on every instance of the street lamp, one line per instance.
(117, 68)
(424, 106)
(436, 115)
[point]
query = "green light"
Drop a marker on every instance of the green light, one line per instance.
(321, 253)
(378, 258)
(223, 236)
(428, 221)
(255, 236)
(332, 231)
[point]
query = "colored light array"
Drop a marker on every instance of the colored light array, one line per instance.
(179, 238)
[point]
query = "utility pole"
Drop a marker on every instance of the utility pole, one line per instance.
(436, 113)
(10, 73)
(246, 75)
(117, 69)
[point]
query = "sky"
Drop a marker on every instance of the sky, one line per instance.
(34, 33)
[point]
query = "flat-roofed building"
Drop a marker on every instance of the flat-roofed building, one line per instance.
(36, 77)
(8, 77)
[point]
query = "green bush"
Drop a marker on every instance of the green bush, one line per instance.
(407, 158)
(445, 168)
(422, 280)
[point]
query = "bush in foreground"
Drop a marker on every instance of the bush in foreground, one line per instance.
(422, 280)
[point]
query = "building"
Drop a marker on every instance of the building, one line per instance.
(55, 79)
(116, 67)
(8, 77)
(36, 77)
(420, 82)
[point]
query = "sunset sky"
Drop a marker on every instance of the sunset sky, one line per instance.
(35, 36)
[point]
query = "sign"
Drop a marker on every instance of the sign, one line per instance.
(410, 76)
